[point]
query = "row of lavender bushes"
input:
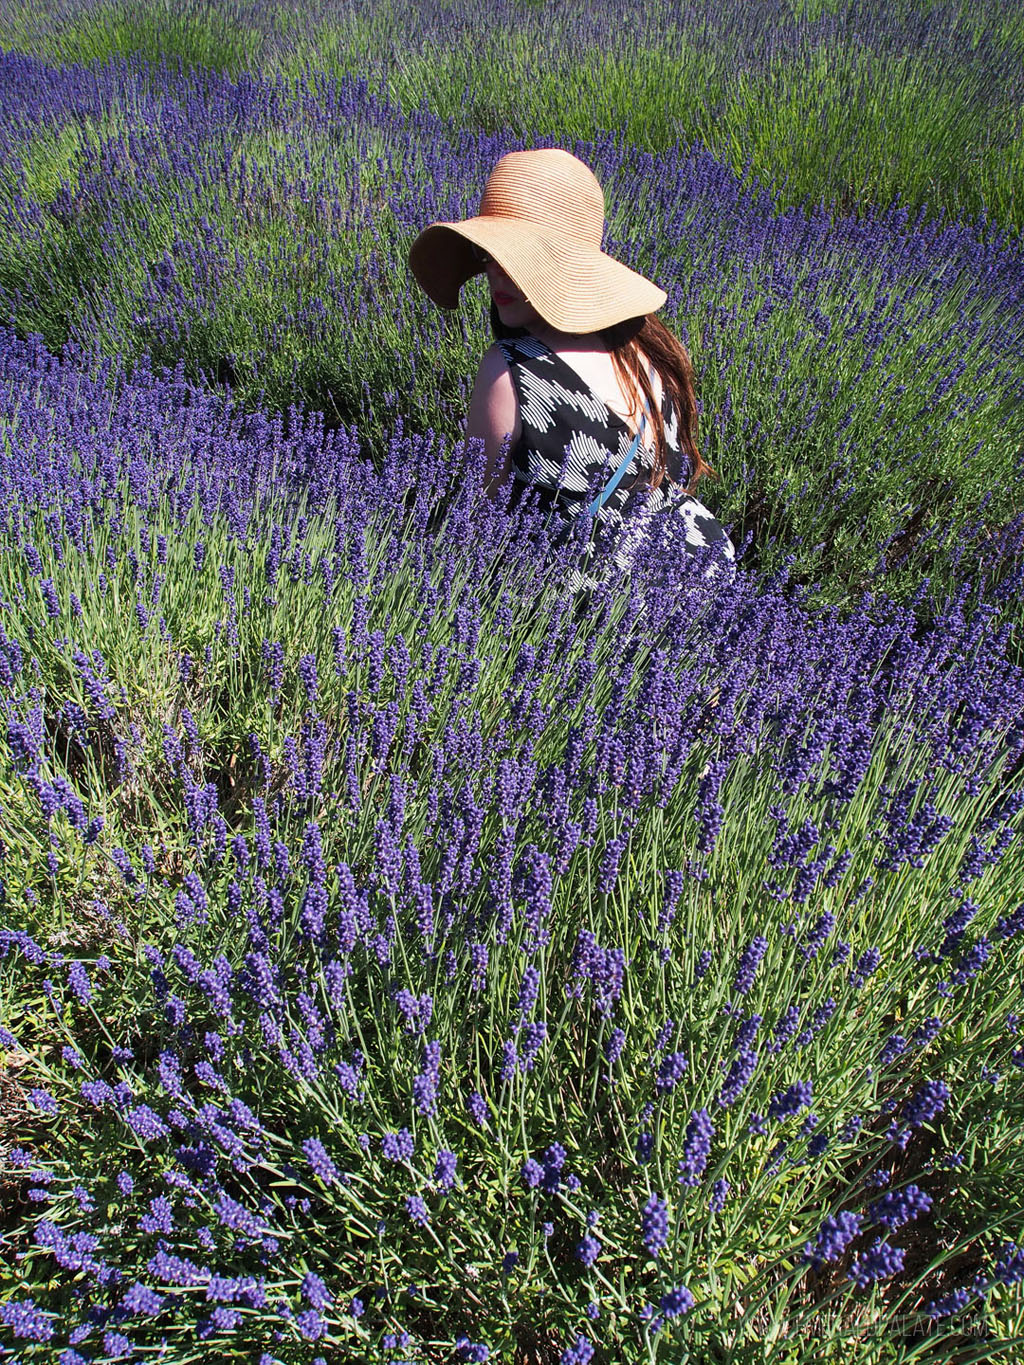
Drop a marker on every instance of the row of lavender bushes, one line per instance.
(860, 375)
(843, 101)
(400, 958)
(405, 960)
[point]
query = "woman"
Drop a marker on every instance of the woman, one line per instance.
(585, 396)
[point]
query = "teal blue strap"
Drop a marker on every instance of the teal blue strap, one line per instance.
(616, 478)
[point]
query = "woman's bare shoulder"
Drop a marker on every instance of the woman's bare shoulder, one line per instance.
(493, 364)
(494, 407)
(494, 378)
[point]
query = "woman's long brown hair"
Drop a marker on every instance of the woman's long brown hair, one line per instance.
(627, 342)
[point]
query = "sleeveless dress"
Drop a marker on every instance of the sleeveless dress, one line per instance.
(572, 443)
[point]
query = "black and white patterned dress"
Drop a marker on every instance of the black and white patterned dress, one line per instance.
(572, 443)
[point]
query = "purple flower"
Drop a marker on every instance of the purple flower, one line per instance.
(834, 1236)
(26, 1320)
(839, 953)
(739, 1074)
(148, 1125)
(528, 988)
(926, 1103)
(398, 1146)
(671, 1071)
(588, 1248)
(749, 964)
(415, 1012)
(613, 1048)
(425, 1085)
(790, 1101)
(954, 925)
(899, 1206)
(478, 961)
(895, 1045)
(719, 1194)
(654, 1225)
(696, 1147)
(953, 1302)
(673, 890)
(315, 1292)
(532, 1173)
(78, 981)
(417, 1210)
(141, 1299)
(221, 1320)
(676, 1302)
(877, 1263)
(532, 1038)
(927, 1031)
(1009, 1268)
(176, 1270)
(555, 1156)
(444, 1170)
(473, 1352)
(160, 1217)
(865, 966)
(603, 967)
(823, 926)
(747, 1032)
(307, 674)
(310, 1324)
(236, 1216)
(579, 1353)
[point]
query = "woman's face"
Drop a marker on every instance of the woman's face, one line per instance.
(513, 309)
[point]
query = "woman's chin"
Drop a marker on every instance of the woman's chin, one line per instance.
(516, 314)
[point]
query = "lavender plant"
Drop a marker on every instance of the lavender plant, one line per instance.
(855, 104)
(404, 959)
(860, 375)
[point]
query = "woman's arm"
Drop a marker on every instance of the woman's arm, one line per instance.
(494, 415)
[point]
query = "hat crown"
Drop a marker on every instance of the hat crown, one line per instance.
(549, 188)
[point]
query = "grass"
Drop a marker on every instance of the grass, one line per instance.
(844, 117)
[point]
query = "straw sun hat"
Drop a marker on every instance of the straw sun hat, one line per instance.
(541, 218)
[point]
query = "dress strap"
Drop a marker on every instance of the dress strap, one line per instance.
(616, 478)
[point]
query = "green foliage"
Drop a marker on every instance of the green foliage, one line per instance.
(758, 1302)
(186, 31)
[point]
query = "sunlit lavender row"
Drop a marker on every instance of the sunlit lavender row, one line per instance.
(860, 376)
(408, 960)
(853, 102)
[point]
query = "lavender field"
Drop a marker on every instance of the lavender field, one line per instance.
(401, 959)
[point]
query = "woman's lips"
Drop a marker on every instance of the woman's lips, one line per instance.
(503, 298)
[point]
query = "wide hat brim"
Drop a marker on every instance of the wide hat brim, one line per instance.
(574, 287)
